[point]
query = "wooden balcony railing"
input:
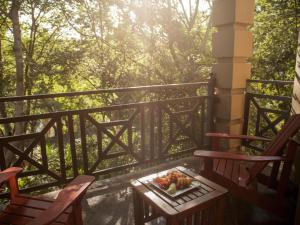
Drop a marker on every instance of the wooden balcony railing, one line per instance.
(111, 130)
(104, 131)
(267, 108)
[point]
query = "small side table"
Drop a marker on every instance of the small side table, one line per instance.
(201, 206)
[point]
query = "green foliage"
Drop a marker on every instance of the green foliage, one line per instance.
(83, 45)
(275, 39)
(80, 45)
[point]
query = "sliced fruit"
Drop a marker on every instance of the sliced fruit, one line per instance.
(172, 189)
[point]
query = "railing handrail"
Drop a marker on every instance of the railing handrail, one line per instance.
(272, 97)
(92, 110)
(279, 82)
(261, 119)
(101, 91)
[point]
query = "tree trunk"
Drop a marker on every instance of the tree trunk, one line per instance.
(18, 52)
(29, 61)
(7, 128)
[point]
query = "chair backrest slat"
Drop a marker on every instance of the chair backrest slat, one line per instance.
(290, 128)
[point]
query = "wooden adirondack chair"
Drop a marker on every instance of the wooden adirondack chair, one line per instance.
(27, 210)
(240, 174)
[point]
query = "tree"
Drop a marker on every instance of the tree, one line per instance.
(18, 52)
(275, 39)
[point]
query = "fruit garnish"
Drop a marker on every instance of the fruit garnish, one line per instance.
(176, 178)
(172, 189)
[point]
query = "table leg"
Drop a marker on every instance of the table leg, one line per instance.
(220, 212)
(189, 220)
(197, 218)
(138, 208)
(172, 221)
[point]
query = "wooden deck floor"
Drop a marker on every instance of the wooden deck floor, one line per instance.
(109, 202)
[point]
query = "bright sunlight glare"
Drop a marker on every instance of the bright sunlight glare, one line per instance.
(203, 5)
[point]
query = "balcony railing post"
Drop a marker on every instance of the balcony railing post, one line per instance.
(61, 149)
(246, 113)
(152, 131)
(159, 130)
(72, 145)
(83, 142)
(143, 134)
(210, 104)
(2, 159)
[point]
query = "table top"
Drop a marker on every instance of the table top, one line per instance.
(207, 193)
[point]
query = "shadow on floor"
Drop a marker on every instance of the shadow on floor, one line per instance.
(117, 209)
(110, 203)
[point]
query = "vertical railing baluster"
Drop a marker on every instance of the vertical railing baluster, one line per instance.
(257, 123)
(202, 122)
(99, 142)
(246, 114)
(210, 105)
(2, 158)
(193, 117)
(72, 145)
(170, 130)
(130, 145)
(44, 152)
(83, 143)
(159, 131)
(152, 131)
(61, 150)
(143, 152)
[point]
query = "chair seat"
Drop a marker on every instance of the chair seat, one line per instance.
(236, 171)
(25, 208)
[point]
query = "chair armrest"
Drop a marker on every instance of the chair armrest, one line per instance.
(69, 195)
(234, 156)
(232, 136)
(9, 173)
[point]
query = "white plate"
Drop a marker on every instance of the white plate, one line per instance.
(194, 184)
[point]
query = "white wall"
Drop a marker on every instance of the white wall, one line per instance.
(296, 109)
(296, 92)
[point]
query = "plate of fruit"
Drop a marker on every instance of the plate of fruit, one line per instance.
(174, 183)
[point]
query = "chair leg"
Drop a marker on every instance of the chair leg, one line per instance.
(233, 209)
(77, 213)
(70, 220)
